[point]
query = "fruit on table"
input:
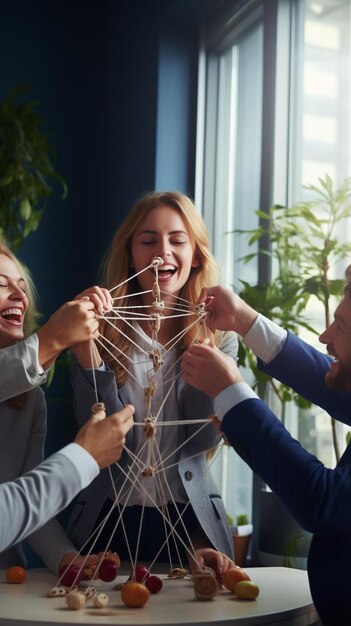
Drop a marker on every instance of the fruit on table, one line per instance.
(70, 575)
(153, 584)
(246, 590)
(134, 594)
(108, 570)
(16, 575)
(139, 573)
(232, 576)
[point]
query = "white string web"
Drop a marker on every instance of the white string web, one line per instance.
(148, 460)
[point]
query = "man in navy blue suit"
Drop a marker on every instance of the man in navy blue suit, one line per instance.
(318, 497)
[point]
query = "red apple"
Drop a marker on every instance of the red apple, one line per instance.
(70, 575)
(108, 570)
(140, 573)
(154, 584)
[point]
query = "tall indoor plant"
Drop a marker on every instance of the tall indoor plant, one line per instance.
(303, 248)
(27, 173)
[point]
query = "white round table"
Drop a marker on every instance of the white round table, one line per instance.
(284, 599)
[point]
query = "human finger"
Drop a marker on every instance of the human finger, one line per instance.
(100, 296)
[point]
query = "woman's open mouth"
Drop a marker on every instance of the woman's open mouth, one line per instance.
(165, 272)
(13, 315)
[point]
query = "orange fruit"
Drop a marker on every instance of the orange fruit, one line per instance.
(246, 590)
(232, 576)
(16, 575)
(134, 594)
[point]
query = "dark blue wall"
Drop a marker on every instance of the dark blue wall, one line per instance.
(115, 82)
(93, 68)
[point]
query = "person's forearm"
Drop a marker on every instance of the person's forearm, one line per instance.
(316, 496)
(245, 317)
(49, 347)
(27, 503)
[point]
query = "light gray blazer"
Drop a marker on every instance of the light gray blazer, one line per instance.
(194, 473)
(22, 438)
(31, 500)
(20, 369)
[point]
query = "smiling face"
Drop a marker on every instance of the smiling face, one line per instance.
(163, 234)
(338, 340)
(13, 302)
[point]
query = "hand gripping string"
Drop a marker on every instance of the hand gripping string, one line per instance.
(157, 463)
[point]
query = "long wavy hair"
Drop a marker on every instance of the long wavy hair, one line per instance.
(28, 324)
(117, 270)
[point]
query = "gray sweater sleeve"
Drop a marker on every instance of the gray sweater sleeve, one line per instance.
(20, 368)
(29, 502)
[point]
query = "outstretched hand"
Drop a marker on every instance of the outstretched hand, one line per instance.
(104, 437)
(101, 301)
(72, 323)
(208, 369)
(208, 557)
(99, 296)
(226, 310)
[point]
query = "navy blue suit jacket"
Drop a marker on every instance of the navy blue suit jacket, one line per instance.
(319, 498)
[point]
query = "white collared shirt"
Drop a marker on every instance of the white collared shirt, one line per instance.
(165, 408)
(266, 339)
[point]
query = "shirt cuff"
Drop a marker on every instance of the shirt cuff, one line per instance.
(265, 338)
(231, 396)
(85, 464)
(32, 345)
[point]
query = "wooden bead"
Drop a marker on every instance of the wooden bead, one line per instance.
(76, 600)
(100, 600)
(149, 427)
(205, 585)
(55, 592)
(149, 471)
(97, 407)
(177, 572)
(89, 592)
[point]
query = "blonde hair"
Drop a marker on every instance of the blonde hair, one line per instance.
(28, 324)
(118, 259)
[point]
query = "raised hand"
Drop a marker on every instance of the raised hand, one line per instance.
(104, 437)
(226, 310)
(74, 322)
(99, 296)
(208, 369)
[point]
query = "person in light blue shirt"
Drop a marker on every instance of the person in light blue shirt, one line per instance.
(33, 491)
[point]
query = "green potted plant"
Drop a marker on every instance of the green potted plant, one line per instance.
(27, 173)
(241, 532)
(303, 247)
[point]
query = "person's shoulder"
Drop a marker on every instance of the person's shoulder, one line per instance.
(36, 398)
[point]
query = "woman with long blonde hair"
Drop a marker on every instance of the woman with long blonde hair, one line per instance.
(157, 265)
(23, 416)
